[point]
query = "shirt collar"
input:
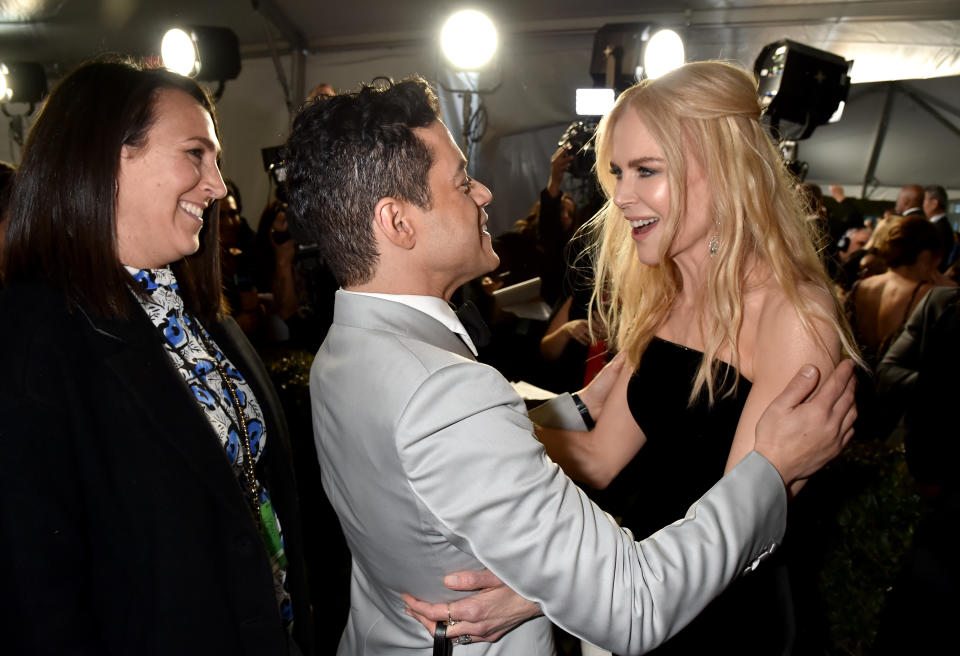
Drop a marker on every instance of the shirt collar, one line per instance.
(432, 306)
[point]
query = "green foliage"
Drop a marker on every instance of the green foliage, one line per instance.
(289, 369)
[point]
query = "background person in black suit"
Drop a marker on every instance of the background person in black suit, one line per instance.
(919, 374)
(935, 207)
(909, 200)
(148, 501)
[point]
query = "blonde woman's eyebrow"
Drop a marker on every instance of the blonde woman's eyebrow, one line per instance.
(643, 161)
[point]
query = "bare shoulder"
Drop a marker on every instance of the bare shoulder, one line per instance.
(777, 306)
(784, 335)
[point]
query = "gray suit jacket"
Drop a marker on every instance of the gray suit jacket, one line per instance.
(429, 461)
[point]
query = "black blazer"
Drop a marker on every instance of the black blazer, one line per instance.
(918, 374)
(945, 230)
(122, 527)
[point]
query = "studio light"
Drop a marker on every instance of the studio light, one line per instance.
(207, 53)
(22, 82)
(616, 55)
(5, 91)
(594, 102)
(662, 53)
(468, 39)
(800, 85)
(179, 52)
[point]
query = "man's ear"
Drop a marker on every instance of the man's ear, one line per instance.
(390, 216)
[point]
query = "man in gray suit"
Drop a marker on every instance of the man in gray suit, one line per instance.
(429, 458)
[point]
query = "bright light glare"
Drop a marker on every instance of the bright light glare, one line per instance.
(5, 92)
(837, 115)
(179, 52)
(469, 39)
(594, 102)
(664, 52)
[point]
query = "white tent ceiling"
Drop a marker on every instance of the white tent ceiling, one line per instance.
(545, 54)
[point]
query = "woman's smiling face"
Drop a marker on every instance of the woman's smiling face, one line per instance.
(642, 192)
(164, 186)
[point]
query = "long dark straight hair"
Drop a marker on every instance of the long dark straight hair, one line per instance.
(62, 229)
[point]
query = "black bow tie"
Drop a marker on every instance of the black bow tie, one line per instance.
(476, 327)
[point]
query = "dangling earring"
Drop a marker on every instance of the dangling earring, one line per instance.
(714, 244)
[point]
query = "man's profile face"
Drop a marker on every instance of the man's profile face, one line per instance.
(930, 205)
(456, 245)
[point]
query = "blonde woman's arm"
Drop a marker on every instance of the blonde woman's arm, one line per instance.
(597, 456)
(781, 346)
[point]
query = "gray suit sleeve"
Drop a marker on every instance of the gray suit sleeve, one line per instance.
(474, 465)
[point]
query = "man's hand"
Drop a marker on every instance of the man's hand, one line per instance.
(595, 394)
(485, 616)
(801, 431)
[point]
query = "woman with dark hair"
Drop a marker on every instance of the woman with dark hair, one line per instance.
(149, 504)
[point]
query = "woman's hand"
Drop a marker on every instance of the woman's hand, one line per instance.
(579, 330)
(594, 395)
(485, 616)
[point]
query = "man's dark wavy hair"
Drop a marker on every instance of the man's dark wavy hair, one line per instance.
(347, 152)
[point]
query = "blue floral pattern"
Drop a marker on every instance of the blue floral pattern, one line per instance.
(182, 340)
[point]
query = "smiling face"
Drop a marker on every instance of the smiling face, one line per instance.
(164, 186)
(456, 246)
(642, 192)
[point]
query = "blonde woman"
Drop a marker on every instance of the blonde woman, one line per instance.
(714, 291)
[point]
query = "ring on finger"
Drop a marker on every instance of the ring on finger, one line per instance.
(450, 621)
(463, 640)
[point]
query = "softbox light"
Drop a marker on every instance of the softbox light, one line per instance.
(800, 87)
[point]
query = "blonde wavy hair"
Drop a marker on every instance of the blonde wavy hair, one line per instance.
(709, 111)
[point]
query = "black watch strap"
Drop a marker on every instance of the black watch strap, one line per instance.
(582, 409)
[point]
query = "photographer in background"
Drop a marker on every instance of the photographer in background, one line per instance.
(237, 262)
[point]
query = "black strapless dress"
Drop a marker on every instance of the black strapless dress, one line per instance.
(685, 454)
